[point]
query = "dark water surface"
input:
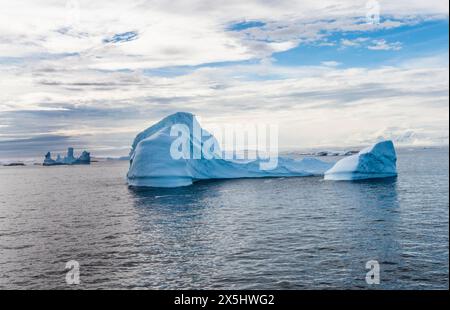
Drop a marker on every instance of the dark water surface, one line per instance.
(280, 233)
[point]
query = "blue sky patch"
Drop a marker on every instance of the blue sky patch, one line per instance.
(122, 37)
(246, 25)
(374, 48)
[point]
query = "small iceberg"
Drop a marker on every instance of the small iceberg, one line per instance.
(69, 159)
(152, 163)
(376, 161)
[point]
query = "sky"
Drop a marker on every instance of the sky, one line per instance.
(93, 74)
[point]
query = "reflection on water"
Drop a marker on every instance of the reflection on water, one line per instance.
(371, 225)
(279, 233)
(328, 236)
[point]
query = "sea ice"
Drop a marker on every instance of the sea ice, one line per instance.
(376, 161)
(152, 163)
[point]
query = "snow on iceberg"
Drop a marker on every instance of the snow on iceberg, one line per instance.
(152, 163)
(376, 161)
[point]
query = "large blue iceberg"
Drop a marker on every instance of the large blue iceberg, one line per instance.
(152, 164)
(376, 161)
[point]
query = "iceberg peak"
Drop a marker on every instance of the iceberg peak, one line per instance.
(184, 118)
(376, 161)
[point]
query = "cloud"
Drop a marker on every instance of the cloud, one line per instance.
(427, 136)
(338, 105)
(353, 43)
(153, 34)
(382, 45)
(22, 148)
(89, 72)
(374, 44)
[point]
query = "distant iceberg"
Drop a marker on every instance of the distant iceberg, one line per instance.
(84, 159)
(48, 161)
(376, 161)
(152, 165)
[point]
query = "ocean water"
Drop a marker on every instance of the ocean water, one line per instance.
(279, 233)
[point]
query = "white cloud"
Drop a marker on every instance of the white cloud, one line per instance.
(375, 44)
(54, 62)
(383, 45)
(331, 63)
(322, 105)
(353, 43)
(347, 42)
(184, 33)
